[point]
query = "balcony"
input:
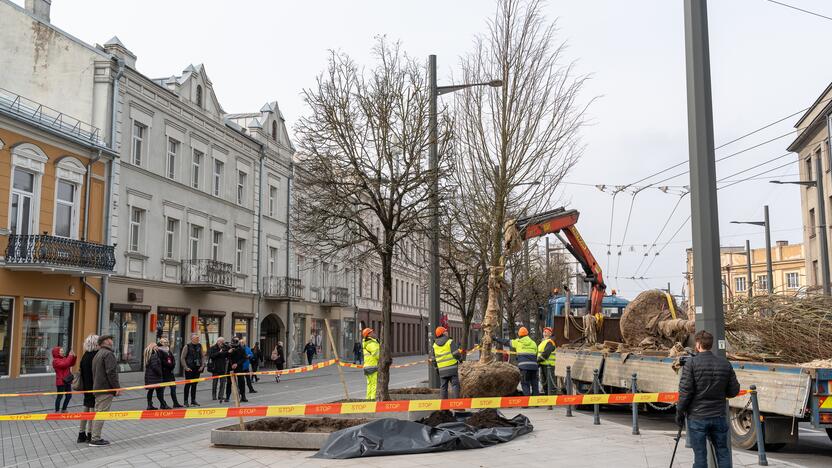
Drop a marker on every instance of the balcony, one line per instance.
(207, 274)
(335, 296)
(282, 287)
(58, 255)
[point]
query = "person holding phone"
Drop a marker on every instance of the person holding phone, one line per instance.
(62, 363)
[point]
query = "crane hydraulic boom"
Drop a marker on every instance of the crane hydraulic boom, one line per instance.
(563, 221)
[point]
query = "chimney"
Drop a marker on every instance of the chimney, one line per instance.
(39, 9)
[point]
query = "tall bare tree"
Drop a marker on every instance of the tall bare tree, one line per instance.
(517, 142)
(363, 177)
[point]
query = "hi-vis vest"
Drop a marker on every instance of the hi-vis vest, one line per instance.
(550, 361)
(445, 360)
(371, 350)
(526, 353)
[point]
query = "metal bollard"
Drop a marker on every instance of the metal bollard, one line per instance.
(569, 389)
(634, 390)
(758, 425)
(596, 409)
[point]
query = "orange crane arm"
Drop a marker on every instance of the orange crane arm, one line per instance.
(563, 220)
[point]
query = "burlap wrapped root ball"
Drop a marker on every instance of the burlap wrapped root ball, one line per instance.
(495, 379)
(642, 317)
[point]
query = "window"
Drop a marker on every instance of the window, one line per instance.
(241, 328)
(217, 178)
(216, 245)
(136, 229)
(196, 165)
(194, 240)
(240, 255)
(360, 282)
(818, 280)
(808, 166)
(762, 282)
(66, 211)
(173, 151)
(812, 224)
(46, 324)
(740, 283)
(241, 188)
(6, 313)
(274, 130)
(272, 261)
(792, 280)
(272, 200)
(23, 201)
(139, 131)
(210, 329)
(199, 95)
(171, 234)
(127, 329)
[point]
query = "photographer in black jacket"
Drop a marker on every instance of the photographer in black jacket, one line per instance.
(218, 365)
(707, 381)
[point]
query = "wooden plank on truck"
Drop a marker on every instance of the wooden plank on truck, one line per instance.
(653, 374)
(781, 389)
(582, 363)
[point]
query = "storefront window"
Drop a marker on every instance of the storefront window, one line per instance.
(318, 335)
(46, 324)
(172, 327)
(348, 337)
(209, 331)
(300, 339)
(242, 329)
(127, 329)
(6, 313)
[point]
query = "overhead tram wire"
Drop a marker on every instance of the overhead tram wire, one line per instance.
(666, 223)
(808, 12)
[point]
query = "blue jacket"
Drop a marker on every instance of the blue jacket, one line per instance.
(249, 356)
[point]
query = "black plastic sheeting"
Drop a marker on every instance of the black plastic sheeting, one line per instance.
(396, 437)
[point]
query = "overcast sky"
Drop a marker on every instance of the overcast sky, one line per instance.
(767, 62)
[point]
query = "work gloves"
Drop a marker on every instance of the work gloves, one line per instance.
(680, 419)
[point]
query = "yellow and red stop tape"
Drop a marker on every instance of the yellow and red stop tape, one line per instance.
(395, 366)
(325, 409)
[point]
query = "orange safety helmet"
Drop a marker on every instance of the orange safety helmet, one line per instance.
(440, 331)
(366, 332)
(523, 331)
(549, 329)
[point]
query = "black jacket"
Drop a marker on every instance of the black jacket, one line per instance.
(218, 355)
(707, 381)
(86, 378)
(153, 373)
(237, 355)
(168, 361)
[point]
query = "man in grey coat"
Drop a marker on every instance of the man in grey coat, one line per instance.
(104, 376)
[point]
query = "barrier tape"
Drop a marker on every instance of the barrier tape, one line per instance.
(324, 409)
(398, 366)
(296, 370)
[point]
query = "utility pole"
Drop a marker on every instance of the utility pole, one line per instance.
(769, 272)
(704, 212)
(433, 155)
(748, 261)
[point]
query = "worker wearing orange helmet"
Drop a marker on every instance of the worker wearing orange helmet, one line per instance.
(546, 361)
(526, 350)
(371, 348)
(445, 355)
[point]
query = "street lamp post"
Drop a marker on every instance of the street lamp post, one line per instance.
(822, 239)
(767, 226)
(433, 154)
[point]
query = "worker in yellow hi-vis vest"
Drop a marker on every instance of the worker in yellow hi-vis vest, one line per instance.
(445, 355)
(526, 350)
(371, 348)
(546, 361)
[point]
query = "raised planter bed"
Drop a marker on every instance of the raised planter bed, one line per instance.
(283, 433)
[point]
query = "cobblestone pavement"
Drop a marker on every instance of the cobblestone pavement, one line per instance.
(556, 440)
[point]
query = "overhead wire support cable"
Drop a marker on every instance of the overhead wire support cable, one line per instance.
(808, 12)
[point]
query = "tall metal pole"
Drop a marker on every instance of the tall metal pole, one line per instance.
(748, 260)
(822, 231)
(433, 153)
(290, 322)
(769, 271)
(704, 213)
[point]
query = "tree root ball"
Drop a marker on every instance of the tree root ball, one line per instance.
(495, 379)
(641, 316)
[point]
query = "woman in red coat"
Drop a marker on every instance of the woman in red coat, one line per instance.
(62, 364)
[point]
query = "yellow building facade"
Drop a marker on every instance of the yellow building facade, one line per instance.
(53, 189)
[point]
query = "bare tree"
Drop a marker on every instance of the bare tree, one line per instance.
(363, 177)
(517, 142)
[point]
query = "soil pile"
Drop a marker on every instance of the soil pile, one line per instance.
(488, 418)
(640, 322)
(300, 424)
(414, 391)
(438, 417)
(494, 379)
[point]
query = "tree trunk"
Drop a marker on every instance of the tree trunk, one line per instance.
(386, 359)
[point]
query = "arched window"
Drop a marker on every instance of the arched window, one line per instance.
(274, 130)
(199, 95)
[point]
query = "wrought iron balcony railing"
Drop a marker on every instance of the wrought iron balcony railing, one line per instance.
(59, 253)
(335, 295)
(282, 287)
(207, 274)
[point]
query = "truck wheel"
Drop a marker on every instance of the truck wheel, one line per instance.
(743, 431)
(829, 433)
